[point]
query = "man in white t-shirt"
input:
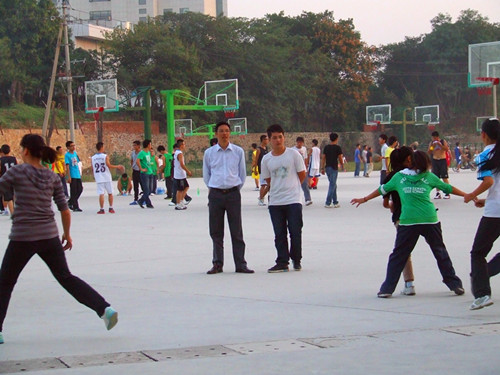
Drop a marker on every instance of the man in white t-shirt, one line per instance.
(180, 175)
(302, 150)
(284, 170)
(382, 141)
(102, 175)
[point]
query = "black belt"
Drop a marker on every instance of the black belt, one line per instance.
(225, 191)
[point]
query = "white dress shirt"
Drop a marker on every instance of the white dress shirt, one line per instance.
(224, 169)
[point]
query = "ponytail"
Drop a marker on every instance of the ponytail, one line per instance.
(491, 127)
(37, 148)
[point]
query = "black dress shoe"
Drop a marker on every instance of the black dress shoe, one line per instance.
(244, 270)
(217, 268)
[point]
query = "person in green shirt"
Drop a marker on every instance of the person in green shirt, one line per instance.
(154, 170)
(124, 185)
(166, 169)
(418, 218)
(144, 163)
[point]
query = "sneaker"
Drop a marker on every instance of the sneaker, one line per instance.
(1, 338)
(481, 302)
(140, 205)
(180, 207)
(101, 211)
(111, 210)
(384, 295)
(172, 204)
(308, 203)
(336, 205)
(408, 291)
(261, 202)
(150, 206)
(134, 203)
(77, 209)
(459, 291)
(110, 317)
(188, 200)
(256, 189)
(297, 266)
(447, 196)
(185, 202)
(5, 213)
(329, 205)
(438, 196)
(278, 268)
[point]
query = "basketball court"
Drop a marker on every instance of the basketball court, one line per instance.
(174, 319)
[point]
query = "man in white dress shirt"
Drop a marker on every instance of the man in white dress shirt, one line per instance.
(224, 172)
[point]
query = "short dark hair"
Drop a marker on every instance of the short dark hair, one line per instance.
(383, 136)
(161, 148)
(299, 139)
(275, 128)
(58, 148)
(254, 145)
(262, 137)
(315, 142)
(137, 143)
(435, 134)
(99, 145)
(179, 142)
(392, 139)
(220, 123)
(421, 161)
(5, 149)
(68, 143)
(146, 143)
(213, 141)
(124, 175)
(334, 137)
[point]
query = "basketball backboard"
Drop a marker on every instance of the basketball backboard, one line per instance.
(222, 93)
(238, 125)
(103, 94)
(378, 114)
(484, 61)
(427, 115)
(480, 120)
(183, 127)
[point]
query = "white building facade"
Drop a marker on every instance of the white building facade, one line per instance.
(113, 13)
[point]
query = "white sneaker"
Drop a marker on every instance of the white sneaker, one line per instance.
(261, 202)
(171, 204)
(438, 196)
(336, 205)
(308, 203)
(481, 302)
(5, 212)
(329, 205)
(110, 317)
(408, 291)
(180, 207)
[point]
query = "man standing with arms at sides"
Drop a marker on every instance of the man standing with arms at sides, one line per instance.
(224, 173)
(357, 160)
(180, 176)
(73, 176)
(284, 171)
(144, 163)
(364, 152)
(136, 171)
(382, 141)
(302, 150)
(166, 169)
(438, 149)
(7, 161)
(102, 175)
(261, 151)
(332, 157)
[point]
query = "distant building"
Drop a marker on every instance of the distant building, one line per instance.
(113, 13)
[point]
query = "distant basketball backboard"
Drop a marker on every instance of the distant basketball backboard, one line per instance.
(103, 94)
(480, 120)
(238, 125)
(376, 114)
(484, 61)
(222, 93)
(183, 127)
(427, 115)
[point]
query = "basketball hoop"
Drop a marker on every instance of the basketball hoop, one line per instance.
(229, 113)
(487, 88)
(431, 127)
(483, 90)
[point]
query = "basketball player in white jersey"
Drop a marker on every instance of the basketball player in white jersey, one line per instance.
(102, 175)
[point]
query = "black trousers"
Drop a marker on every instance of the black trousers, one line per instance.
(219, 204)
(19, 253)
(487, 233)
(136, 180)
(406, 239)
(168, 185)
(75, 189)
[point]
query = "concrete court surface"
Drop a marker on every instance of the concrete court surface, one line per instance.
(174, 319)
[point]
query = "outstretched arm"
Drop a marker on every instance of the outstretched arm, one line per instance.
(359, 201)
(483, 186)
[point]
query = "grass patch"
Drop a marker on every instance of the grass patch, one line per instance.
(21, 115)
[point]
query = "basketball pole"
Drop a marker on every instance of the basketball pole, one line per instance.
(495, 101)
(69, 89)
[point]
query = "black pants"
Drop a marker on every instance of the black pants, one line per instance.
(168, 185)
(19, 253)
(486, 234)
(219, 204)
(406, 239)
(75, 189)
(136, 180)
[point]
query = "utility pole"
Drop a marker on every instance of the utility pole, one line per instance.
(68, 74)
(52, 83)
